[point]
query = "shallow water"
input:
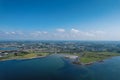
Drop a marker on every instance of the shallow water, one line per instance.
(55, 67)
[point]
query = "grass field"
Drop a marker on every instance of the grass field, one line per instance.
(23, 56)
(89, 57)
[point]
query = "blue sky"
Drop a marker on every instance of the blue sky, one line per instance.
(60, 19)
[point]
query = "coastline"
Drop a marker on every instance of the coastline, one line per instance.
(90, 63)
(100, 61)
(68, 57)
(24, 58)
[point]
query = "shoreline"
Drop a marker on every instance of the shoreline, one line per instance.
(90, 63)
(24, 58)
(73, 62)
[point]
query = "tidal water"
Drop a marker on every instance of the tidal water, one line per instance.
(55, 67)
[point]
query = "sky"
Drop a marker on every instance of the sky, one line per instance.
(60, 20)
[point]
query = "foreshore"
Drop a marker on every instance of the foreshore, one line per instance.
(23, 58)
(89, 58)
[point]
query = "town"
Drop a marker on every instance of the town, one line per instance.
(79, 48)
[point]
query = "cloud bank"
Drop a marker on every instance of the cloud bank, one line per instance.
(59, 34)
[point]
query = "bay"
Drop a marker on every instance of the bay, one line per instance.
(55, 67)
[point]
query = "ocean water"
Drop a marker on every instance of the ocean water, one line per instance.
(55, 67)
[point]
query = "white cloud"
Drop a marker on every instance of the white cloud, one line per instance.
(88, 34)
(62, 34)
(45, 32)
(77, 33)
(35, 34)
(75, 30)
(38, 33)
(14, 33)
(101, 32)
(60, 30)
(10, 33)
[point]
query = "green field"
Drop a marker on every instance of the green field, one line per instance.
(28, 55)
(89, 57)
